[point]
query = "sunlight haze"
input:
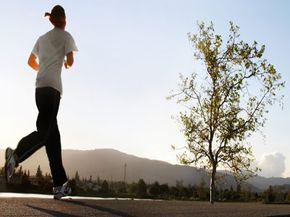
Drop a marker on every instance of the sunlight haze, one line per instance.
(130, 56)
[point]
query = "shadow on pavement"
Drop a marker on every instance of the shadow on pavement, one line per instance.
(100, 208)
(279, 216)
(52, 212)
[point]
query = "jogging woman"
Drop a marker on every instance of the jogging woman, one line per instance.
(51, 52)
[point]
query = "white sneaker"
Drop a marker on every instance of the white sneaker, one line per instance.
(61, 191)
(10, 164)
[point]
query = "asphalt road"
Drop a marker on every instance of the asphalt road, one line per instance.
(133, 208)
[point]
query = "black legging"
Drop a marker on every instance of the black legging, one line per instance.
(47, 101)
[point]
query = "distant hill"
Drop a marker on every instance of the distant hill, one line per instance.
(109, 164)
(264, 183)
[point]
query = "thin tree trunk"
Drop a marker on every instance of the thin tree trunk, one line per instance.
(212, 185)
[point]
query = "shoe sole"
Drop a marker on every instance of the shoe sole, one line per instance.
(59, 196)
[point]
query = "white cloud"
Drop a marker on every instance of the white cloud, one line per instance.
(272, 165)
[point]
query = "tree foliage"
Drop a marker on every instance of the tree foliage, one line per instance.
(39, 172)
(105, 187)
(227, 103)
(141, 188)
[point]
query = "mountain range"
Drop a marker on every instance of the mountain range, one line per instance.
(114, 165)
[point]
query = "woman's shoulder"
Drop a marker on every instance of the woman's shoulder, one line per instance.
(58, 33)
(67, 33)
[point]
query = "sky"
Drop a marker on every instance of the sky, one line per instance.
(130, 56)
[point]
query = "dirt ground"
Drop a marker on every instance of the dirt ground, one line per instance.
(133, 208)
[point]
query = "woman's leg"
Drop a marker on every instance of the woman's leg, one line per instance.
(35, 140)
(53, 150)
(47, 101)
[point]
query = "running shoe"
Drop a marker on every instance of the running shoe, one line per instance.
(10, 164)
(61, 191)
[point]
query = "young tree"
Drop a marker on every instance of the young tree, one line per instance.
(77, 177)
(155, 189)
(105, 187)
(141, 188)
(39, 172)
(227, 103)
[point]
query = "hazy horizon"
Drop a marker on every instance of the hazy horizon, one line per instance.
(130, 56)
(45, 161)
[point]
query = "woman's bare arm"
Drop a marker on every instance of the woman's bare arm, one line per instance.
(32, 62)
(69, 60)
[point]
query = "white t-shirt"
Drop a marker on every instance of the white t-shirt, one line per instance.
(51, 48)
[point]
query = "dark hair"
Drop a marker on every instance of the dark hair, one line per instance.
(57, 16)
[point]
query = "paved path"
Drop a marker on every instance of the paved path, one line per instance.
(132, 208)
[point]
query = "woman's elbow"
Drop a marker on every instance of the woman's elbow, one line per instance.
(33, 63)
(70, 62)
(29, 62)
(69, 59)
